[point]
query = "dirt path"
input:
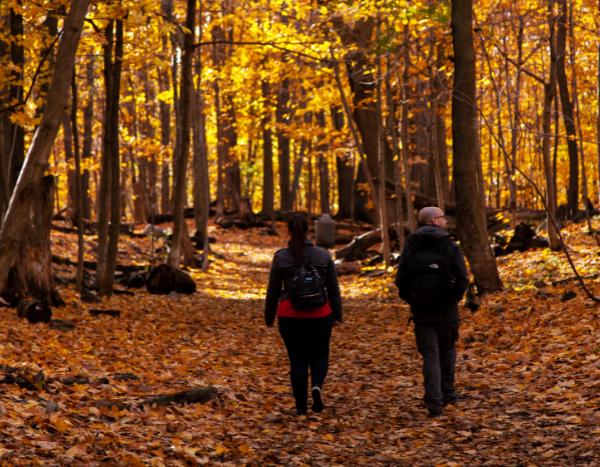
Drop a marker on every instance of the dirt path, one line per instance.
(527, 378)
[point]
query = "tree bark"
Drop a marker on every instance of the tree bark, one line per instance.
(86, 153)
(16, 217)
(283, 143)
(31, 275)
(322, 148)
(549, 95)
(78, 186)
(392, 129)
(17, 132)
(567, 109)
(385, 235)
(187, 87)
(268, 199)
(105, 177)
(468, 200)
(115, 167)
(345, 171)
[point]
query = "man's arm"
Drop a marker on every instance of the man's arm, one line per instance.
(402, 276)
(459, 270)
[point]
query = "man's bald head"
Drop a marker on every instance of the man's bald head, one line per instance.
(427, 214)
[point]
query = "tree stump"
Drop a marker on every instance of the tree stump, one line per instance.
(165, 279)
(35, 311)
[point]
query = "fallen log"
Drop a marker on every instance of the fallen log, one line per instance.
(359, 244)
(92, 264)
(346, 269)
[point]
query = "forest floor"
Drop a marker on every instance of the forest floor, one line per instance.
(528, 373)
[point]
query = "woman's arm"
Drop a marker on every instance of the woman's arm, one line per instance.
(273, 293)
(333, 291)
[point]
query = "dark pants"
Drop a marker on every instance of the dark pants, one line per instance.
(435, 343)
(307, 344)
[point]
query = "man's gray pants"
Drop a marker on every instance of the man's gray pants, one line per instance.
(435, 343)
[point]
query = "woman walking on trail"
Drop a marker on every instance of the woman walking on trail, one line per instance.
(305, 332)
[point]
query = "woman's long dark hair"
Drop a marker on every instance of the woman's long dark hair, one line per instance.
(298, 226)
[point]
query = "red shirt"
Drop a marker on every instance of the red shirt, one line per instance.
(286, 310)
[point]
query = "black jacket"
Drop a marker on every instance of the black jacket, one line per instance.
(283, 268)
(457, 268)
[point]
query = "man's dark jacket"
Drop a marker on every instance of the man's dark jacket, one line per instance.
(458, 269)
(283, 268)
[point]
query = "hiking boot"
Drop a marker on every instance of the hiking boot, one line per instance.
(317, 397)
(300, 412)
(451, 401)
(435, 413)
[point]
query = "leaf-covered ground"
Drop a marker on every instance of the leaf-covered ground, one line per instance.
(528, 374)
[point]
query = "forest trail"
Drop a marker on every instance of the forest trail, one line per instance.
(527, 374)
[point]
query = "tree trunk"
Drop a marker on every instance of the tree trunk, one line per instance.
(283, 143)
(385, 235)
(31, 276)
(105, 177)
(78, 187)
(364, 173)
(187, 87)
(549, 95)
(345, 171)
(165, 140)
(567, 109)
(392, 129)
(17, 218)
(598, 118)
(322, 149)
(404, 131)
(440, 86)
(468, 200)
(17, 132)
(115, 168)
(268, 199)
(86, 153)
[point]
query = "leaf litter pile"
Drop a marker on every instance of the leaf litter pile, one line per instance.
(528, 373)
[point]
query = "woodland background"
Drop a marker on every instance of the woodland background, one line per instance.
(252, 100)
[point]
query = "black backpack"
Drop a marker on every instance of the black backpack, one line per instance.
(306, 289)
(430, 279)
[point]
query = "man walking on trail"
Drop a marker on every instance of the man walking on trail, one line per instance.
(432, 277)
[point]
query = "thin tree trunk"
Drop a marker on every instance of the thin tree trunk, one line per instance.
(468, 200)
(357, 140)
(17, 57)
(549, 95)
(412, 221)
(187, 87)
(268, 199)
(567, 109)
(392, 129)
(105, 179)
(576, 99)
(78, 186)
(322, 149)
(598, 117)
(16, 217)
(385, 234)
(283, 143)
(86, 153)
(115, 168)
(434, 134)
